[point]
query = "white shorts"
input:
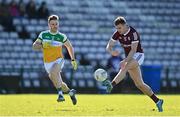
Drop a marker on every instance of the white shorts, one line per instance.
(48, 66)
(139, 57)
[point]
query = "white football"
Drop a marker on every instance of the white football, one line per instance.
(100, 75)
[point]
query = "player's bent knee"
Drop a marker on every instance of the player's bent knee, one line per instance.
(132, 64)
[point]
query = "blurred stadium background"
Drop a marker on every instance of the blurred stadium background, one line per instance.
(89, 25)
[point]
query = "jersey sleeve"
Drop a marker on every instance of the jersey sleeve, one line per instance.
(65, 38)
(40, 36)
(114, 36)
(135, 37)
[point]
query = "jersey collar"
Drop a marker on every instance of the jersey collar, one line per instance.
(127, 31)
(53, 33)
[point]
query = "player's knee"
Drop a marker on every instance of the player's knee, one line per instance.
(133, 64)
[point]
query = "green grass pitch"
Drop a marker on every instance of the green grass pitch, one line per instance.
(88, 105)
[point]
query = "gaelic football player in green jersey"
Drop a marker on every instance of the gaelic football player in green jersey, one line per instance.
(51, 42)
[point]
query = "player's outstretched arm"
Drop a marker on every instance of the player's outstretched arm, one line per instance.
(71, 53)
(37, 45)
(109, 48)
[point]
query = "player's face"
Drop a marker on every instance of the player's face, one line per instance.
(53, 25)
(121, 28)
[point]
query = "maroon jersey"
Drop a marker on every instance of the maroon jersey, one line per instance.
(128, 38)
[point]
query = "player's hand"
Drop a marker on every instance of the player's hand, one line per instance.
(37, 46)
(74, 64)
(46, 44)
(123, 64)
(115, 53)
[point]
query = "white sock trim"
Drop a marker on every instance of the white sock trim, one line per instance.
(60, 92)
(71, 93)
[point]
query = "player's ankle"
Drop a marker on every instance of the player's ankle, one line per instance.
(71, 93)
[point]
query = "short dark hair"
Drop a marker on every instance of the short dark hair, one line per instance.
(119, 20)
(53, 17)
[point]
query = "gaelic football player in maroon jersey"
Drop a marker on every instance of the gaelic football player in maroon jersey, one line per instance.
(129, 39)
